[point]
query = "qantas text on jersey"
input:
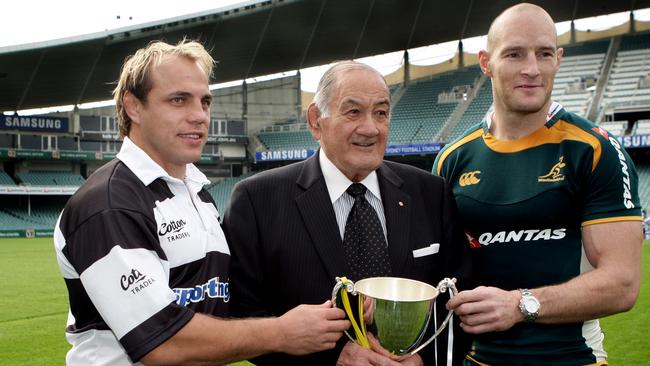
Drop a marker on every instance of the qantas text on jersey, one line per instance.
(521, 236)
(627, 196)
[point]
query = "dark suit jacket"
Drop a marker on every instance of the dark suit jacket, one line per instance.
(286, 247)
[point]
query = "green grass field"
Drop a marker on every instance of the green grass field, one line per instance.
(34, 310)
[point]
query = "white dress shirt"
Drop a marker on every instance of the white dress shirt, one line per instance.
(337, 184)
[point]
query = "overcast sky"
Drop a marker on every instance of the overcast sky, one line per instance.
(29, 21)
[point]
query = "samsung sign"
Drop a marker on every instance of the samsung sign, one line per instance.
(275, 155)
(635, 141)
(35, 123)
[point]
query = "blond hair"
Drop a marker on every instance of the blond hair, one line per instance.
(135, 76)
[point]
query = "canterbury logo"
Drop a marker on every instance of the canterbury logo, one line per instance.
(467, 179)
(555, 175)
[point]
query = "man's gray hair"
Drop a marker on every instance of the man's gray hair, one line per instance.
(329, 81)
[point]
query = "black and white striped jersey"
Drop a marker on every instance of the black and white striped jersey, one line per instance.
(140, 252)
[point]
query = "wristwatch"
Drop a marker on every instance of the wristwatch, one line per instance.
(529, 305)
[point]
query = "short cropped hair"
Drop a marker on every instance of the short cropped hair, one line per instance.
(329, 81)
(135, 75)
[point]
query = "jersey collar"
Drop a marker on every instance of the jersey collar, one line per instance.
(551, 116)
(147, 170)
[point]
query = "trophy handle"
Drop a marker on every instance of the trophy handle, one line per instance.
(443, 285)
(342, 283)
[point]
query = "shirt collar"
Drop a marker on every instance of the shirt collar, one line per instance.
(337, 183)
(147, 170)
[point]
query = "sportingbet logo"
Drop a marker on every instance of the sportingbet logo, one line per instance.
(627, 195)
(555, 175)
(213, 289)
(521, 235)
(469, 178)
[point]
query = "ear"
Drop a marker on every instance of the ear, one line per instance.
(313, 120)
(559, 54)
(484, 62)
(132, 106)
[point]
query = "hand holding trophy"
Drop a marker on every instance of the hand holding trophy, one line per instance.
(391, 314)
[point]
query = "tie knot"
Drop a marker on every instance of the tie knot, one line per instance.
(356, 190)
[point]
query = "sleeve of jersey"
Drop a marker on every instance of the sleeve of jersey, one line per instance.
(126, 275)
(611, 192)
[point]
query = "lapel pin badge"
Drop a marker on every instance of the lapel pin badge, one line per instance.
(400, 203)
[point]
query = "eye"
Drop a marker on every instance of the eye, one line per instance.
(206, 102)
(177, 100)
(353, 111)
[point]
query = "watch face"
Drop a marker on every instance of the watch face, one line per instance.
(531, 305)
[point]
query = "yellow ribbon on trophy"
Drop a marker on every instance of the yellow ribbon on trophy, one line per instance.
(359, 330)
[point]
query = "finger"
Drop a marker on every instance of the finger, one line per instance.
(334, 314)
(478, 329)
(337, 325)
(326, 304)
(478, 319)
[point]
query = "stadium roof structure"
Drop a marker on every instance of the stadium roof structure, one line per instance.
(259, 37)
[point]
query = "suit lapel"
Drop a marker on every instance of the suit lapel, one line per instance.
(318, 214)
(397, 209)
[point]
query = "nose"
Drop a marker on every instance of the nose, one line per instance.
(531, 67)
(367, 125)
(198, 112)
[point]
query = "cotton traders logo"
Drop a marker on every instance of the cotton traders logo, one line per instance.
(555, 175)
(171, 230)
(135, 281)
(469, 178)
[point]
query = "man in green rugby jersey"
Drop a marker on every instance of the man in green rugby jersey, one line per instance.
(550, 205)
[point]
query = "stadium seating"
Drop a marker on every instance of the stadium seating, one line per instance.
(629, 81)
(475, 111)
(5, 179)
(42, 213)
(419, 115)
(221, 192)
(285, 140)
(642, 127)
(617, 128)
(574, 79)
(50, 178)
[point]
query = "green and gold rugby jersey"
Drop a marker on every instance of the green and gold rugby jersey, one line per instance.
(523, 203)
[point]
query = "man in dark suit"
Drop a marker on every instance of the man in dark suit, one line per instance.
(287, 226)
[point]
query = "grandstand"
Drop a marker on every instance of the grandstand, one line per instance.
(475, 111)
(50, 178)
(221, 191)
(5, 179)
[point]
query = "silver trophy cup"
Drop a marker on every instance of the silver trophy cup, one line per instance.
(390, 314)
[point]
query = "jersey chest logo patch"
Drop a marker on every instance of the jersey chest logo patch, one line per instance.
(555, 175)
(469, 178)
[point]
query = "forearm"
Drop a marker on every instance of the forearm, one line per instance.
(591, 295)
(210, 341)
